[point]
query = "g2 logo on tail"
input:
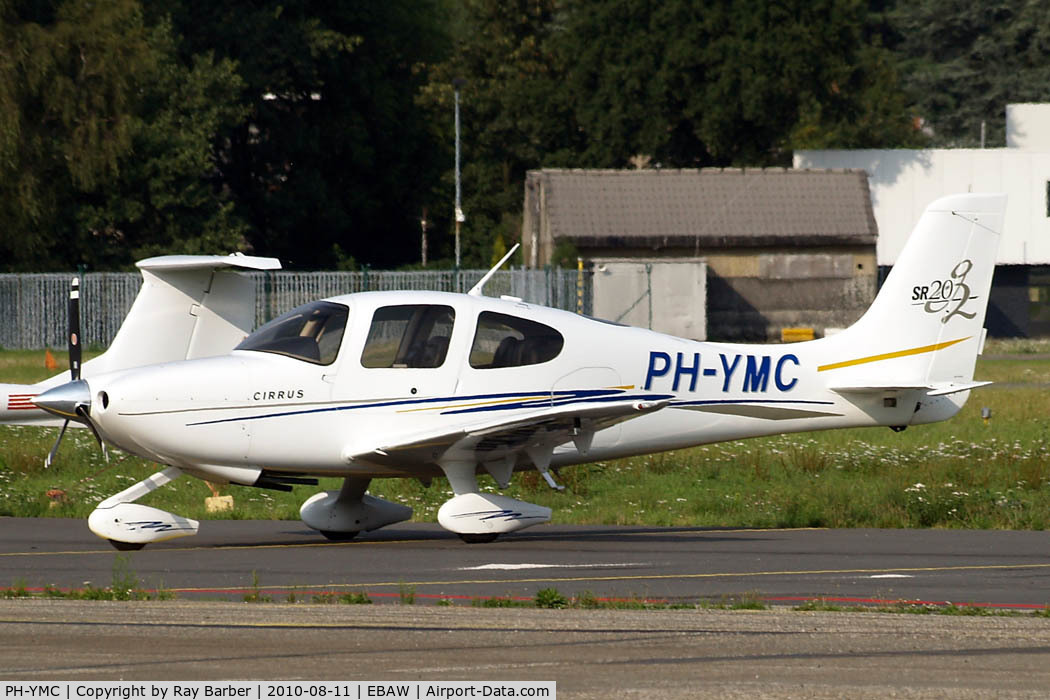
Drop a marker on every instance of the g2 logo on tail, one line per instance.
(948, 295)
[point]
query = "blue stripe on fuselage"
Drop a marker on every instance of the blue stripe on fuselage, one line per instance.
(538, 398)
(529, 400)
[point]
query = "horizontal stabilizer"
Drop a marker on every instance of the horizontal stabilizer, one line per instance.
(208, 262)
(189, 306)
(954, 387)
(878, 388)
(939, 389)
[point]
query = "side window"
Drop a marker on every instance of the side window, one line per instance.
(409, 336)
(509, 341)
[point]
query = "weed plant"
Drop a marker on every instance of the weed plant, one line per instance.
(963, 473)
(551, 598)
(906, 608)
(342, 599)
(501, 603)
(125, 585)
(255, 594)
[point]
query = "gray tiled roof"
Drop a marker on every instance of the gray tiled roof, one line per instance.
(709, 207)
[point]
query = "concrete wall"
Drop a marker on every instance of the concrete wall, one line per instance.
(751, 295)
(1028, 127)
(664, 295)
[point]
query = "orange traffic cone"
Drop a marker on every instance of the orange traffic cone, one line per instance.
(49, 360)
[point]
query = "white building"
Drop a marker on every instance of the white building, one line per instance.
(903, 182)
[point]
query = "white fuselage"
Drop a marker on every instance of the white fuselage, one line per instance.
(254, 409)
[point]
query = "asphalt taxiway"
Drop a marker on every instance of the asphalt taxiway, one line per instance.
(228, 558)
(778, 652)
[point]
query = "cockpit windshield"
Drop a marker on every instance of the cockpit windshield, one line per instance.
(312, 333)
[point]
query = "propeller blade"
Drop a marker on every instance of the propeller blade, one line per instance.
(82, 411)
(74, 329)
(54, 450)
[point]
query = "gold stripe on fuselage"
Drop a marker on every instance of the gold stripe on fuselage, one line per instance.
(891, 355)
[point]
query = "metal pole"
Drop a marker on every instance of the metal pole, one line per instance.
(649, 290)
(457, 83)
(579, 285)
(423, 243)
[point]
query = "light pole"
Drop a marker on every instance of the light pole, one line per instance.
(423, 241)
(457, 83)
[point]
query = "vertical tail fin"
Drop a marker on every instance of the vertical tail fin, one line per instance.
(926, 326)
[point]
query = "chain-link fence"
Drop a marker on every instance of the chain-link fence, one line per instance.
(33, 306)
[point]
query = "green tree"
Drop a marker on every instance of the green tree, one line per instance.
(168, 196)
(513, 118)
(963, 62)
(332, 161)
(609, 83)
(70, 72)
(106, 139)
(728, 83)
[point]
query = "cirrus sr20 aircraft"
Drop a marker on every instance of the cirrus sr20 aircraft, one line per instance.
(424, 384)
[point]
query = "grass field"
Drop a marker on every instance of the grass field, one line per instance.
(962, 473)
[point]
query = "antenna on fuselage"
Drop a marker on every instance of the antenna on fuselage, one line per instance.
(475, 291)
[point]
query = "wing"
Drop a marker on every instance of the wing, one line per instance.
(498, 444)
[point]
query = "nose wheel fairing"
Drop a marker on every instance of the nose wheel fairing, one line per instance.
(128, 525)
(136, 524)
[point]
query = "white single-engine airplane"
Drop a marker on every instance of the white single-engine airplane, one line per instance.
(424, 384)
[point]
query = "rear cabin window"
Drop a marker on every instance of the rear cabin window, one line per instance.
(311, 333)
(509, 341)
(414, 335)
